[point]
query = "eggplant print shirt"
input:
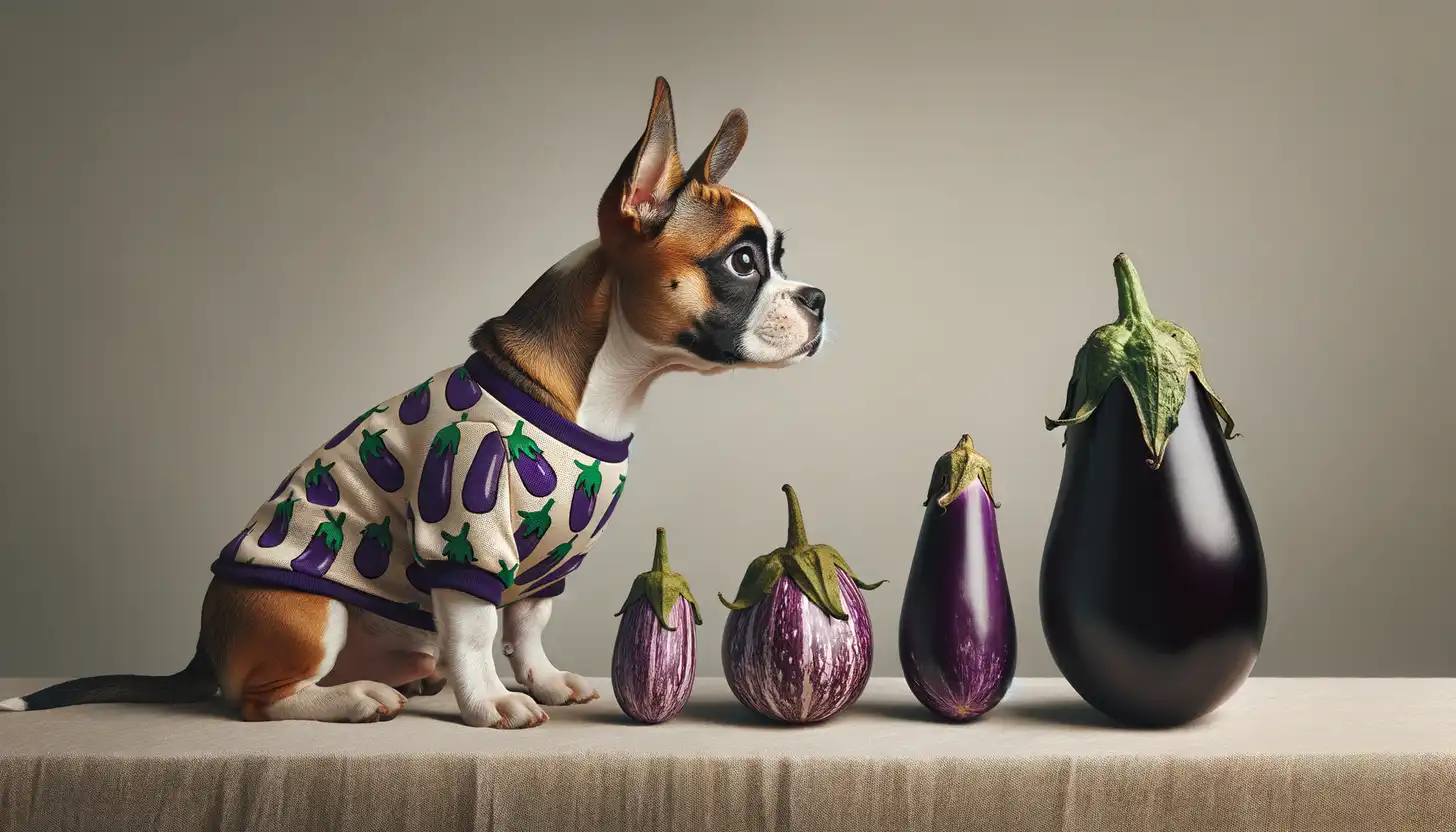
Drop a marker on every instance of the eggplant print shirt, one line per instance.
(463, 482)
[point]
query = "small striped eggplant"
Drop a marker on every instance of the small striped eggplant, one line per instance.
(656, 652)
(957, 632)
(798, 645)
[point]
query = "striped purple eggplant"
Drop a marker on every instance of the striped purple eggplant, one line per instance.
(283, 484)
(584, 495)
(957, 632)
(461, 391)
(416, 404)
(546, 564)
(380, 463)
(535, 472)
(319, 554)
(534, 525)
(415, 572)
(319, 486)
(230, 551)
(437, 478)
(612, 506)
(798, 645)
(482, 481)
(277, 529)
(349, 431)
(656, 653)
(376, 543)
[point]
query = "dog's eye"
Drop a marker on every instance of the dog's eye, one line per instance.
(742, 261)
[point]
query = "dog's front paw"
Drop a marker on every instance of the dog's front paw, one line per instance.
(509, 710)
(560, 688)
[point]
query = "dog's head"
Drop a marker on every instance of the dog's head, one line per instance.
(699, 266)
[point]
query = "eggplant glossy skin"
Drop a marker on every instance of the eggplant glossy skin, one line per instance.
(1153, 587)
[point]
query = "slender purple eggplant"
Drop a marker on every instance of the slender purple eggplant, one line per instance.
(380, 463)
(319, 485)
(584, 495)
(437, 478)
(416, 404)
(534, 525)
(655, 656)
(415, 572)
(354, 425)
(798, 645)
(612, 506)
(277, 529)
(376, 544)
(957, 632)
(283, 484)
(562, 571)
(1153, 587)
(319, 554)
(553, 557)
(535, 472)
(482, 480)
(230, 551)
(461, 391)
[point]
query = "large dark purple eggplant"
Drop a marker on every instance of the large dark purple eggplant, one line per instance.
(437, 477)
(482, 480)
(534, 525)
(535, 472)
(376, 543)
(416, 404)
(380, 463)
(656, 652)
(319, 554)
(612, 506)
(277, 528)
(584, 495)
(1153, 588)
(461, 391)
(957, 632)
(319, 485)
(349, 430)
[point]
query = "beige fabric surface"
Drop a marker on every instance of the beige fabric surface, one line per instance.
(1285, 754)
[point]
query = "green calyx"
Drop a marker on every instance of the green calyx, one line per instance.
(661, 587)
(956, 470)
(589, 481)
(316, 474)
(536, 522)
(373, 446)
(380, 532)
(447, 441)
(332, 530)
(1152, 357)
(457, 546)
(518, 444)
(811, 566)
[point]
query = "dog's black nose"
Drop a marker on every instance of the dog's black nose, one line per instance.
(813, 300)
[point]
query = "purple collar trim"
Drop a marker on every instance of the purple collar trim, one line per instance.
(542, 417)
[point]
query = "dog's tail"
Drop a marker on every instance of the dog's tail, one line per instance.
(193, 683)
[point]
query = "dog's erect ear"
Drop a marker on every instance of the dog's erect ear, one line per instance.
(641, 195)
(718, 157)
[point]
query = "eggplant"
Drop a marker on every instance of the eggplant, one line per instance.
(319, 486)
(348, 431)
(957, 631)
(1153, 586)
(415, 572)
(562, 571)
(437, 478)
(798, 645)
(230, 551)
(482, 480)
(319, 554)
(545, 565)
(612, 506)
(283, 484)
(376, 544)
(534, 525)
(380, 463)
(277, 529)
(535, 472)
(461, 391)
(416, 404)
(655, 656)
(584, 495)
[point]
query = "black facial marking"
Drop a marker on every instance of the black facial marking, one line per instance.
(716, 334)
(778, 255)
(674, 283)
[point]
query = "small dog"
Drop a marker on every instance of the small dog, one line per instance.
(375, 570)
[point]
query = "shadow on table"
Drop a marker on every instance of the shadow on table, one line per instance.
(910, 711)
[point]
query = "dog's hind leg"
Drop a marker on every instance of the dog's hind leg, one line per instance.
(525, 621)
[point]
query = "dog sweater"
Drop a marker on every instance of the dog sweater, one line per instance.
(463, 482)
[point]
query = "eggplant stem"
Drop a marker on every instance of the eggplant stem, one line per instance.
(1132, 304)
(798, 538)
(659, 555)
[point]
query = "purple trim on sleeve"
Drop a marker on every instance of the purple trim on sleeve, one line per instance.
(542, 417)
(464, 578)
(288, 579)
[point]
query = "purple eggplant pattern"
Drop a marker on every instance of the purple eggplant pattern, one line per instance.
(319, 485)
(415, 572)
(349, 431)
(284, 484)
(457, 546)
(376, 544)
(230, 551)
(545, 565)
(437, 478)
(461, 391)
(535, 472)
(534, 525)
(584, 495)
(379, 463)
(612, 506)
(566, 569)
(321, 550)
(482, 481)
(278, 527)
(416, 404)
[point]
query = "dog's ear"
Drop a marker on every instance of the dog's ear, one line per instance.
(720, 153)
(640, 197)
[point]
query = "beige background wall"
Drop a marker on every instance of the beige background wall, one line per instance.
(191, 198)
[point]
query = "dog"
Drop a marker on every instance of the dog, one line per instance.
(385, 562)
